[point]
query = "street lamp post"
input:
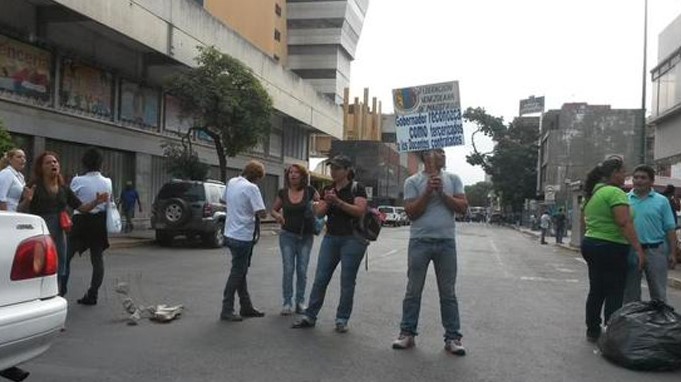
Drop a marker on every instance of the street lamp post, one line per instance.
(644, 82)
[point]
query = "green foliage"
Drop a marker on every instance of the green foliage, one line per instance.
(183, 162)
(477, 194)
(513, 162)
(6, 143)
(224, 100)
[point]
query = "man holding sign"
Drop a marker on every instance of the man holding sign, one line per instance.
(432, 198)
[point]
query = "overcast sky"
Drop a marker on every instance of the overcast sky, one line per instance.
(501, 51)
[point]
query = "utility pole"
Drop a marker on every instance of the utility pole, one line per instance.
(644, 82)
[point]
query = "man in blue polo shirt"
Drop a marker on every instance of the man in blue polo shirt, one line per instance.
(655, 228)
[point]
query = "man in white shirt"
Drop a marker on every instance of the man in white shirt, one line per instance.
(244, 203)
(544, 224)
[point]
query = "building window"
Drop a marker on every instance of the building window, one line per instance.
(277, 35)
(277, 9)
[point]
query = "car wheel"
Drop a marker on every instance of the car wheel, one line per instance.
(175, 212)
(164, 239)
(215, 239)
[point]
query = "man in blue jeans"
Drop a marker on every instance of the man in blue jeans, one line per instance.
(244, 206)
(656, 230)
(432, 197)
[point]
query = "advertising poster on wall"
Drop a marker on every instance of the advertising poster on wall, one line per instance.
(139, 104)
(86, 89)
(25, 70)
(173, 122)
(428, 117)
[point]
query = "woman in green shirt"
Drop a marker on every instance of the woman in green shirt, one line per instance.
(609, 235)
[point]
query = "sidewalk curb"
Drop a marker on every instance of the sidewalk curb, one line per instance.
(123, 242)
(672, 282)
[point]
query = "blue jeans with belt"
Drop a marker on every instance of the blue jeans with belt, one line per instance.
(442, 252)
(348, 251)
(655, 269)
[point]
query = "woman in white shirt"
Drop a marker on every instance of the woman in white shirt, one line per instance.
(12, 181)
(89, 228)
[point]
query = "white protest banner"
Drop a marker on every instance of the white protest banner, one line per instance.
(428, 117)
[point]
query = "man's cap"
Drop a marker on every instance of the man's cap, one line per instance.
(340, 161)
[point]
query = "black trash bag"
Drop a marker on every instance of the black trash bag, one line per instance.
(644, 335)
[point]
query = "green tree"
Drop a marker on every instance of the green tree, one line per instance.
(513, 162)
(6, 143)
(183, 162)
(225, 101)
(477, 194)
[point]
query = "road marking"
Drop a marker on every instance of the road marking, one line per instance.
(529, 278)
(580, 260)
(497, 256)
(565, 270)
(376, 257)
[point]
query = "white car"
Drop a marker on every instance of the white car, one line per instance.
(31, 312)
(391, 216)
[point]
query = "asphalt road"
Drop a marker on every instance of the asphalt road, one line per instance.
(522, 308)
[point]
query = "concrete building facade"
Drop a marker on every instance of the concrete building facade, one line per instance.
(77, 73)
(579, 136)
(665, 114)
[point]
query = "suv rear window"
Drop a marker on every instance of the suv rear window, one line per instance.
(189, 192)
(386, 210)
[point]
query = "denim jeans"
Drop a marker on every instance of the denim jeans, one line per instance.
(295, 255)
(236, 283)
(59, 238)
(656, 266)
(442, 252)
(347, 250)
(607, 262)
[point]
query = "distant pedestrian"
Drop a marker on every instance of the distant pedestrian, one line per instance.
(656, 230)
(293, 209)
(432, 198)
(129, 198)
(244, 209)
(559, 224)
(670, 193)
(12, 183)
(89, 230)
(50, 199)
(345, 201)
(545, 225)
(609, 236)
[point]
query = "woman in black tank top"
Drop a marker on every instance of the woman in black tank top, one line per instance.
(293, 210)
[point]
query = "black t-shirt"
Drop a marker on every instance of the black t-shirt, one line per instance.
(47, 203)
(340, 223)
(295, 218)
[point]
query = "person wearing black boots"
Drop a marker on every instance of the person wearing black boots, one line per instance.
(245, 207)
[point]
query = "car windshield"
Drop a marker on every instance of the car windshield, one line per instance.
(190, 192)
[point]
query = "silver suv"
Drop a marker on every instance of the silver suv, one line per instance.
(189, 208)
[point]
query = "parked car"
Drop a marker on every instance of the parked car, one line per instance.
(189, 208)
(391, 215)
(31, 312)
(404, 219)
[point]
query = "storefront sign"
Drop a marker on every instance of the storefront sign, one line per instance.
(25, 70)
(139, 105)
(86, 89)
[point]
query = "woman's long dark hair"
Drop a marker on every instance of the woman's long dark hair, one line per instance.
(38, 168)
(601, 173)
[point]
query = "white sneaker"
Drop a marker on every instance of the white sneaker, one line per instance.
(286, 310)
(404, 341)
(455, 347)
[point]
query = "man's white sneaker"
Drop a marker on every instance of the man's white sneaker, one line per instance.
(286, 310)
(404, 341)
(455, 347)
